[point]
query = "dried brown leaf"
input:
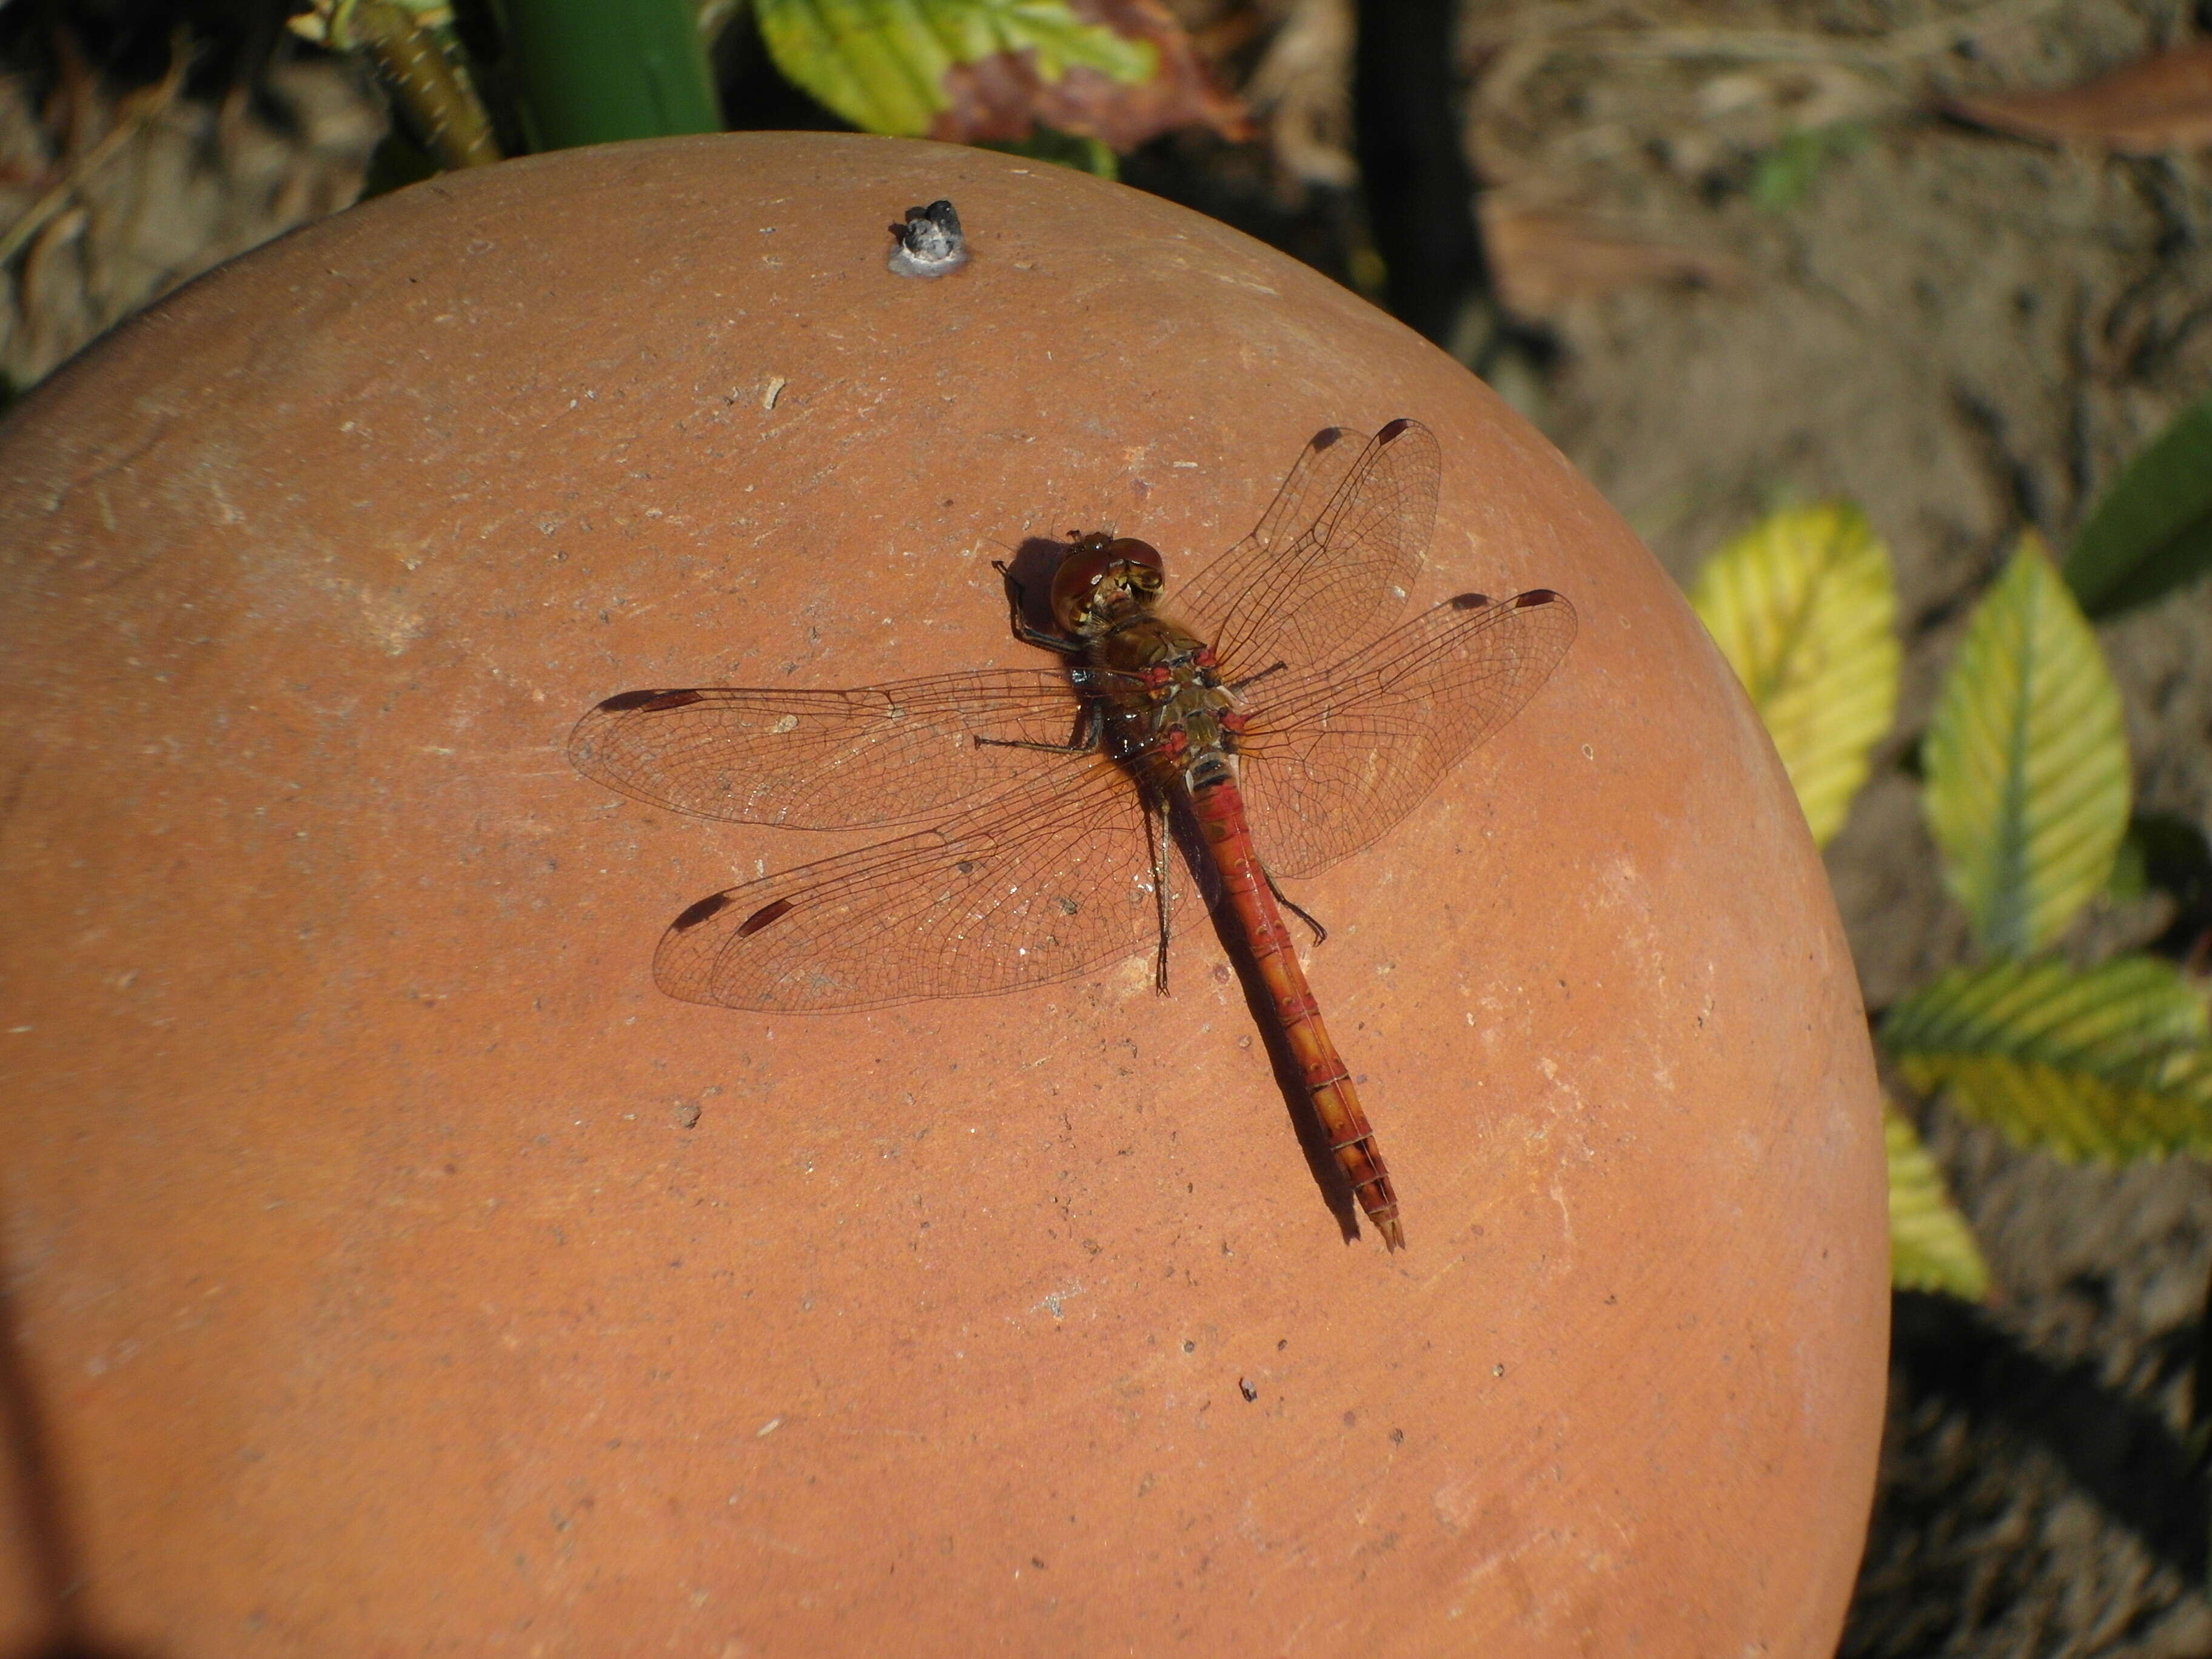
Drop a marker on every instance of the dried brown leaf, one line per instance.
(2158, 103)
(1002, 97)
(1545, 260)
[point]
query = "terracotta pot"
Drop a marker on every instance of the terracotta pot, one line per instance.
(394, 1269)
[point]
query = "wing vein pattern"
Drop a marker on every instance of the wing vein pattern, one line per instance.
(1340, 575)
(1048, 880)
(1334, 756)
(825, 760)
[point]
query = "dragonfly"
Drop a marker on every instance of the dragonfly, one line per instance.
(1274, 708)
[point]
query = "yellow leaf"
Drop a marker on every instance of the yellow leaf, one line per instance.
(1931, 1247)
(2027, 761)
(2110, 1064)
(1802, 606)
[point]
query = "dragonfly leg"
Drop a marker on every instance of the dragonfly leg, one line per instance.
(1023, 631)
(1284, 899)
(1089, 729)
(1253, 679)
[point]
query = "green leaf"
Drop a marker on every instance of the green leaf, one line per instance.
(882, 64)
(1931, 1247)
(1802, 606)
(1062, 150)
(2026, 761)
(2153, 531)
(2108, 1064)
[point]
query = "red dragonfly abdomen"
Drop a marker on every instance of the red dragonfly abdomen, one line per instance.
(1219, 810)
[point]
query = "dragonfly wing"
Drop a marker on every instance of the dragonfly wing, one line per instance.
(1335, 756)
(825, 760)
(1301, 587)
(1051, 880)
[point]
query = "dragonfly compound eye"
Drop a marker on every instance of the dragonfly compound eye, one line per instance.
(1102, 572)
(1127, 550)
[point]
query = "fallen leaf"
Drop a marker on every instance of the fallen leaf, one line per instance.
(1545, 260)
(2155, 103)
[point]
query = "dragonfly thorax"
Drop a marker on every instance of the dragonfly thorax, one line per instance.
(1104, 581)
(1167, 713)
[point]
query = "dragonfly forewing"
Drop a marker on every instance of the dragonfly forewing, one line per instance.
(1298, 591)
(825, 760)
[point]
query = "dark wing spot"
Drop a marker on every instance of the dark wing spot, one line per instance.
(1068, 906)
(713, 904)
(1392, 432)
(966, 866)
(759, 919)
(655, 701)
(1535, 596)
(1328, 439)
(1470, 601)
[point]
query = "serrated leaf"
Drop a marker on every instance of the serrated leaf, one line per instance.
(2026, 761)
(1931, 1247)
(1803, 607)
(883, 65)
(2110, 1064)
(2152, 532)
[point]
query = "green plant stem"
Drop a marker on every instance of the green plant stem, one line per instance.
(598, 71)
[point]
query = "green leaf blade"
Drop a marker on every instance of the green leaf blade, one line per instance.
(882, 64)
(2152, 532)
(2026, 761)
(1931, 1247)
(2108, 1064)
(1803, 606)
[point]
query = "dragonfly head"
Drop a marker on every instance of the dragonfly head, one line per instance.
(1103, 579)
